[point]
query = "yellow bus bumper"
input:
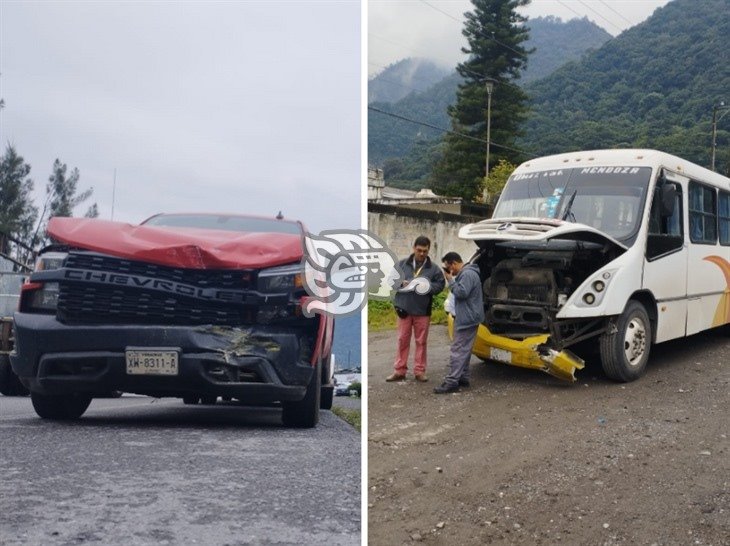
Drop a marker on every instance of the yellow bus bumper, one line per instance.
(524, 353)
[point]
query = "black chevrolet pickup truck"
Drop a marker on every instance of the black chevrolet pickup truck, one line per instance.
(195, 306)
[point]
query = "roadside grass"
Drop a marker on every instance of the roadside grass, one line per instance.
(381, 314)
(352, 416)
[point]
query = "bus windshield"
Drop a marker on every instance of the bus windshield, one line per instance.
(610, 199)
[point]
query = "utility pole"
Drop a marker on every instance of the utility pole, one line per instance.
(715, 109)
(489, 84)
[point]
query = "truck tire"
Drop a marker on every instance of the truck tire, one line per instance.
(326, 398)
(63, 407)
(10, 385)
(625, 349)
(305, 413)
(328, 387)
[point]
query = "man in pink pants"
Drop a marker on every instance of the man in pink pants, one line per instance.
(414, 310)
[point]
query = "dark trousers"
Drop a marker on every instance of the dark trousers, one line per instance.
(461, 355)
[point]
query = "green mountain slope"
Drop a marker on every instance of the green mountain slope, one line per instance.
(404, 77)
(652, 86)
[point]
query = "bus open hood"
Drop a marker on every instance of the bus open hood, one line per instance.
(178, 247)
(534, 229)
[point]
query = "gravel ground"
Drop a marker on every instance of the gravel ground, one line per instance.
(522, 458)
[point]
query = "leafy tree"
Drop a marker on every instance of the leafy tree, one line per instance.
(17, 213)
(498, 178)
(495, 33)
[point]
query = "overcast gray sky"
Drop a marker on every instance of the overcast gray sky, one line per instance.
(250, 107)
(432, 28)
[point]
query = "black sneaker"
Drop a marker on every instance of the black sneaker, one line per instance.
(445, 388)
(464, 383)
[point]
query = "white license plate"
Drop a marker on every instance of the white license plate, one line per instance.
(500, 355)
(152, 361)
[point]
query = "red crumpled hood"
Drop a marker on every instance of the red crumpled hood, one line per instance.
(178, 247)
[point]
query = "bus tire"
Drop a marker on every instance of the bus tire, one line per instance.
(625, 348)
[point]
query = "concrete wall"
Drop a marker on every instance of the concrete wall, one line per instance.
(399, 227)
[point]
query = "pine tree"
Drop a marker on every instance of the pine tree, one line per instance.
(17, 213)
(495, 33)
(61, 190)
(61, 197)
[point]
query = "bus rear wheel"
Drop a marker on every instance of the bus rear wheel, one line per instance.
(625, 348)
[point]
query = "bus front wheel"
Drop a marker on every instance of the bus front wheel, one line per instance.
(625, 347)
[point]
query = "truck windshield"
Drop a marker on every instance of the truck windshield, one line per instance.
(610, 199)
(225, 222)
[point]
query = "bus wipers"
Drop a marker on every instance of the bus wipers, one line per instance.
(569, 207)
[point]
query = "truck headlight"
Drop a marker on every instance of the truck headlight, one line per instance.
(45, 299)
(50, 260)
(286, 278)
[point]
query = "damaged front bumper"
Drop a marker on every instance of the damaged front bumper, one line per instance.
(532, 352)
(256, 364)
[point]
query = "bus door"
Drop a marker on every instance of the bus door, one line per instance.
(665, 262)
(709, 270)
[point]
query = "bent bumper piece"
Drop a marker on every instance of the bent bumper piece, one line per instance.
(532, 352)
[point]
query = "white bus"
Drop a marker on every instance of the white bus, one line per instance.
(624, 248)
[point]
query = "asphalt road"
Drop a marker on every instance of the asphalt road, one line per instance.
(137, 470)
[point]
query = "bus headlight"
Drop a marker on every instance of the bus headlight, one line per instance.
(595, 289)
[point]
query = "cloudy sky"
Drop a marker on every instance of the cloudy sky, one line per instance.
(432, 28)
(249, 107)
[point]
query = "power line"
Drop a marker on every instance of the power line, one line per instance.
(566, 6)
(616, 12)
(463, 135)
(599, 15)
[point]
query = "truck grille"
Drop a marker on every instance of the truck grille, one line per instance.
(82, 302)
(203, 278)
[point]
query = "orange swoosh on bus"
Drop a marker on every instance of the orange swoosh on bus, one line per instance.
(722, 314)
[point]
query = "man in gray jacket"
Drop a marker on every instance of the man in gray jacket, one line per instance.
(466, 286)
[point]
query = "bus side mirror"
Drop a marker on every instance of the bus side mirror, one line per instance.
(668, 198)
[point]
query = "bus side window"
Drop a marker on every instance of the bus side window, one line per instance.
(665, 232)
(723, 218)
(702, 214)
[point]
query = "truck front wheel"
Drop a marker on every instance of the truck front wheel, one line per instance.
(63, 407)
(625, 348)
(10, 385)
(305, 413)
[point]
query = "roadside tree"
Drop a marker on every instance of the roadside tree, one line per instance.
(495, 34)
